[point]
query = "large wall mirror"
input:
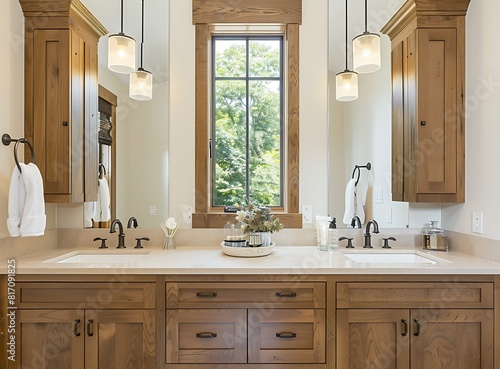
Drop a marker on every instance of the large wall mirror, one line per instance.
(359, 131)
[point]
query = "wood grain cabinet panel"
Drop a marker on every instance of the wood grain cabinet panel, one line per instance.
(286, 336)
(415, 295)
(50, 340)
(415, 325)
(61, 94)
(207, 336)
(232, 295)
(101, 296)
(120, 339)
(370, 338)
(428, 94)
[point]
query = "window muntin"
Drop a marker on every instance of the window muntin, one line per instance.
(247, 120)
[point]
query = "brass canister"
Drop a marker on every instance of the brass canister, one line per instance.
(435, 242)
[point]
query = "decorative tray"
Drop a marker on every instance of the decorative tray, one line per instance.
(247, 251)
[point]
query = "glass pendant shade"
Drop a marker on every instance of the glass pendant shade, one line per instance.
(366, 52)
(141, 85)
(121, 53)
(347, 86)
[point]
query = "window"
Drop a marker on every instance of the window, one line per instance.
(284, 17)
(247, 120)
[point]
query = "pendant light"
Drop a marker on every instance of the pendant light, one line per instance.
(121, 51)
(366, 49)
(346, 81)
(141, 81)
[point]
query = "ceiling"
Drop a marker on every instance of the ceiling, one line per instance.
(157, 28)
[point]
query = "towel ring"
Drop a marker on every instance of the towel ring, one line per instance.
(357, 168)
(102, 171)
(6, 140)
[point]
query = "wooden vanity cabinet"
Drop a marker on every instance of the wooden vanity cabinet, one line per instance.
(415, 325)
(428, 93)
(246, 323)
(61, 96)
(85, 325)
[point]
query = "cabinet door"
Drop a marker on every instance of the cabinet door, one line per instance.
(372, 338)
(120, 339)
(49, 340)
(437, 112)
(51, 108)
(458, 339)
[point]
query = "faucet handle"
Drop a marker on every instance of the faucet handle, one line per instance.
(349, 242)
(103, 242)
(386, 242)
(139, 245)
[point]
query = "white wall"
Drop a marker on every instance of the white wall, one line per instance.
(313, 105)
(482, 123)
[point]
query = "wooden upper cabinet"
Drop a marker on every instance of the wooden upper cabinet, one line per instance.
(61, 96)
(428, 83)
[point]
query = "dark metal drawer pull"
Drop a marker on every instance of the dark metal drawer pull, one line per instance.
(206, 294)
(417, 332)
(405, 327)
(76, 328)
(286, 294)
(286, 335)
(206, 335)
(90, 330)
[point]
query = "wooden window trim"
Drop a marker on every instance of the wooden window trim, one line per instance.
(255, 12)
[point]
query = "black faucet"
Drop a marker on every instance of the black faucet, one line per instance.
(121, 235)
(355, 222)
(132, 222)
(368, 236)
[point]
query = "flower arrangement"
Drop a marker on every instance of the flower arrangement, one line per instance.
(255, 218)
(169, 227)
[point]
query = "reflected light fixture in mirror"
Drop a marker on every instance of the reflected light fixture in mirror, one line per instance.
(141, 81)
(346, 81)
(121, 51)
(366, 49)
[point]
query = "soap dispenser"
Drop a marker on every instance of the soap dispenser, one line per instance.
(333, 235)
(434, 238)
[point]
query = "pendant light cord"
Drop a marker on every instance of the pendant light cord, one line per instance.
(142, 40)
(346, 35)
(366, 16)
(121, 19)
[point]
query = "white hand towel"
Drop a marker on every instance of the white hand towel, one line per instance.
(88, 213)
(102, 211)
(33, 220)
(17, 198)
(350, 201)
(26, 202)
(360, 211)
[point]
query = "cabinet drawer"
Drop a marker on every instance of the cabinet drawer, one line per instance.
(415, 295)
(286, 336)
(241, 295)
(99, 296)
(207, 336)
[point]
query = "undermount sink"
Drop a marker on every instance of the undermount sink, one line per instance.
(97, 258)
(392, 257)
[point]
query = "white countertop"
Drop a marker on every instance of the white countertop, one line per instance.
(211, 260)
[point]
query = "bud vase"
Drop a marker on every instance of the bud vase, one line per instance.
(169, 243)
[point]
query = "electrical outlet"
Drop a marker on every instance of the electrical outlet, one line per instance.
(389, 215)
(477, 222)
(307, 217)
(187, 214)
(152, 210)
